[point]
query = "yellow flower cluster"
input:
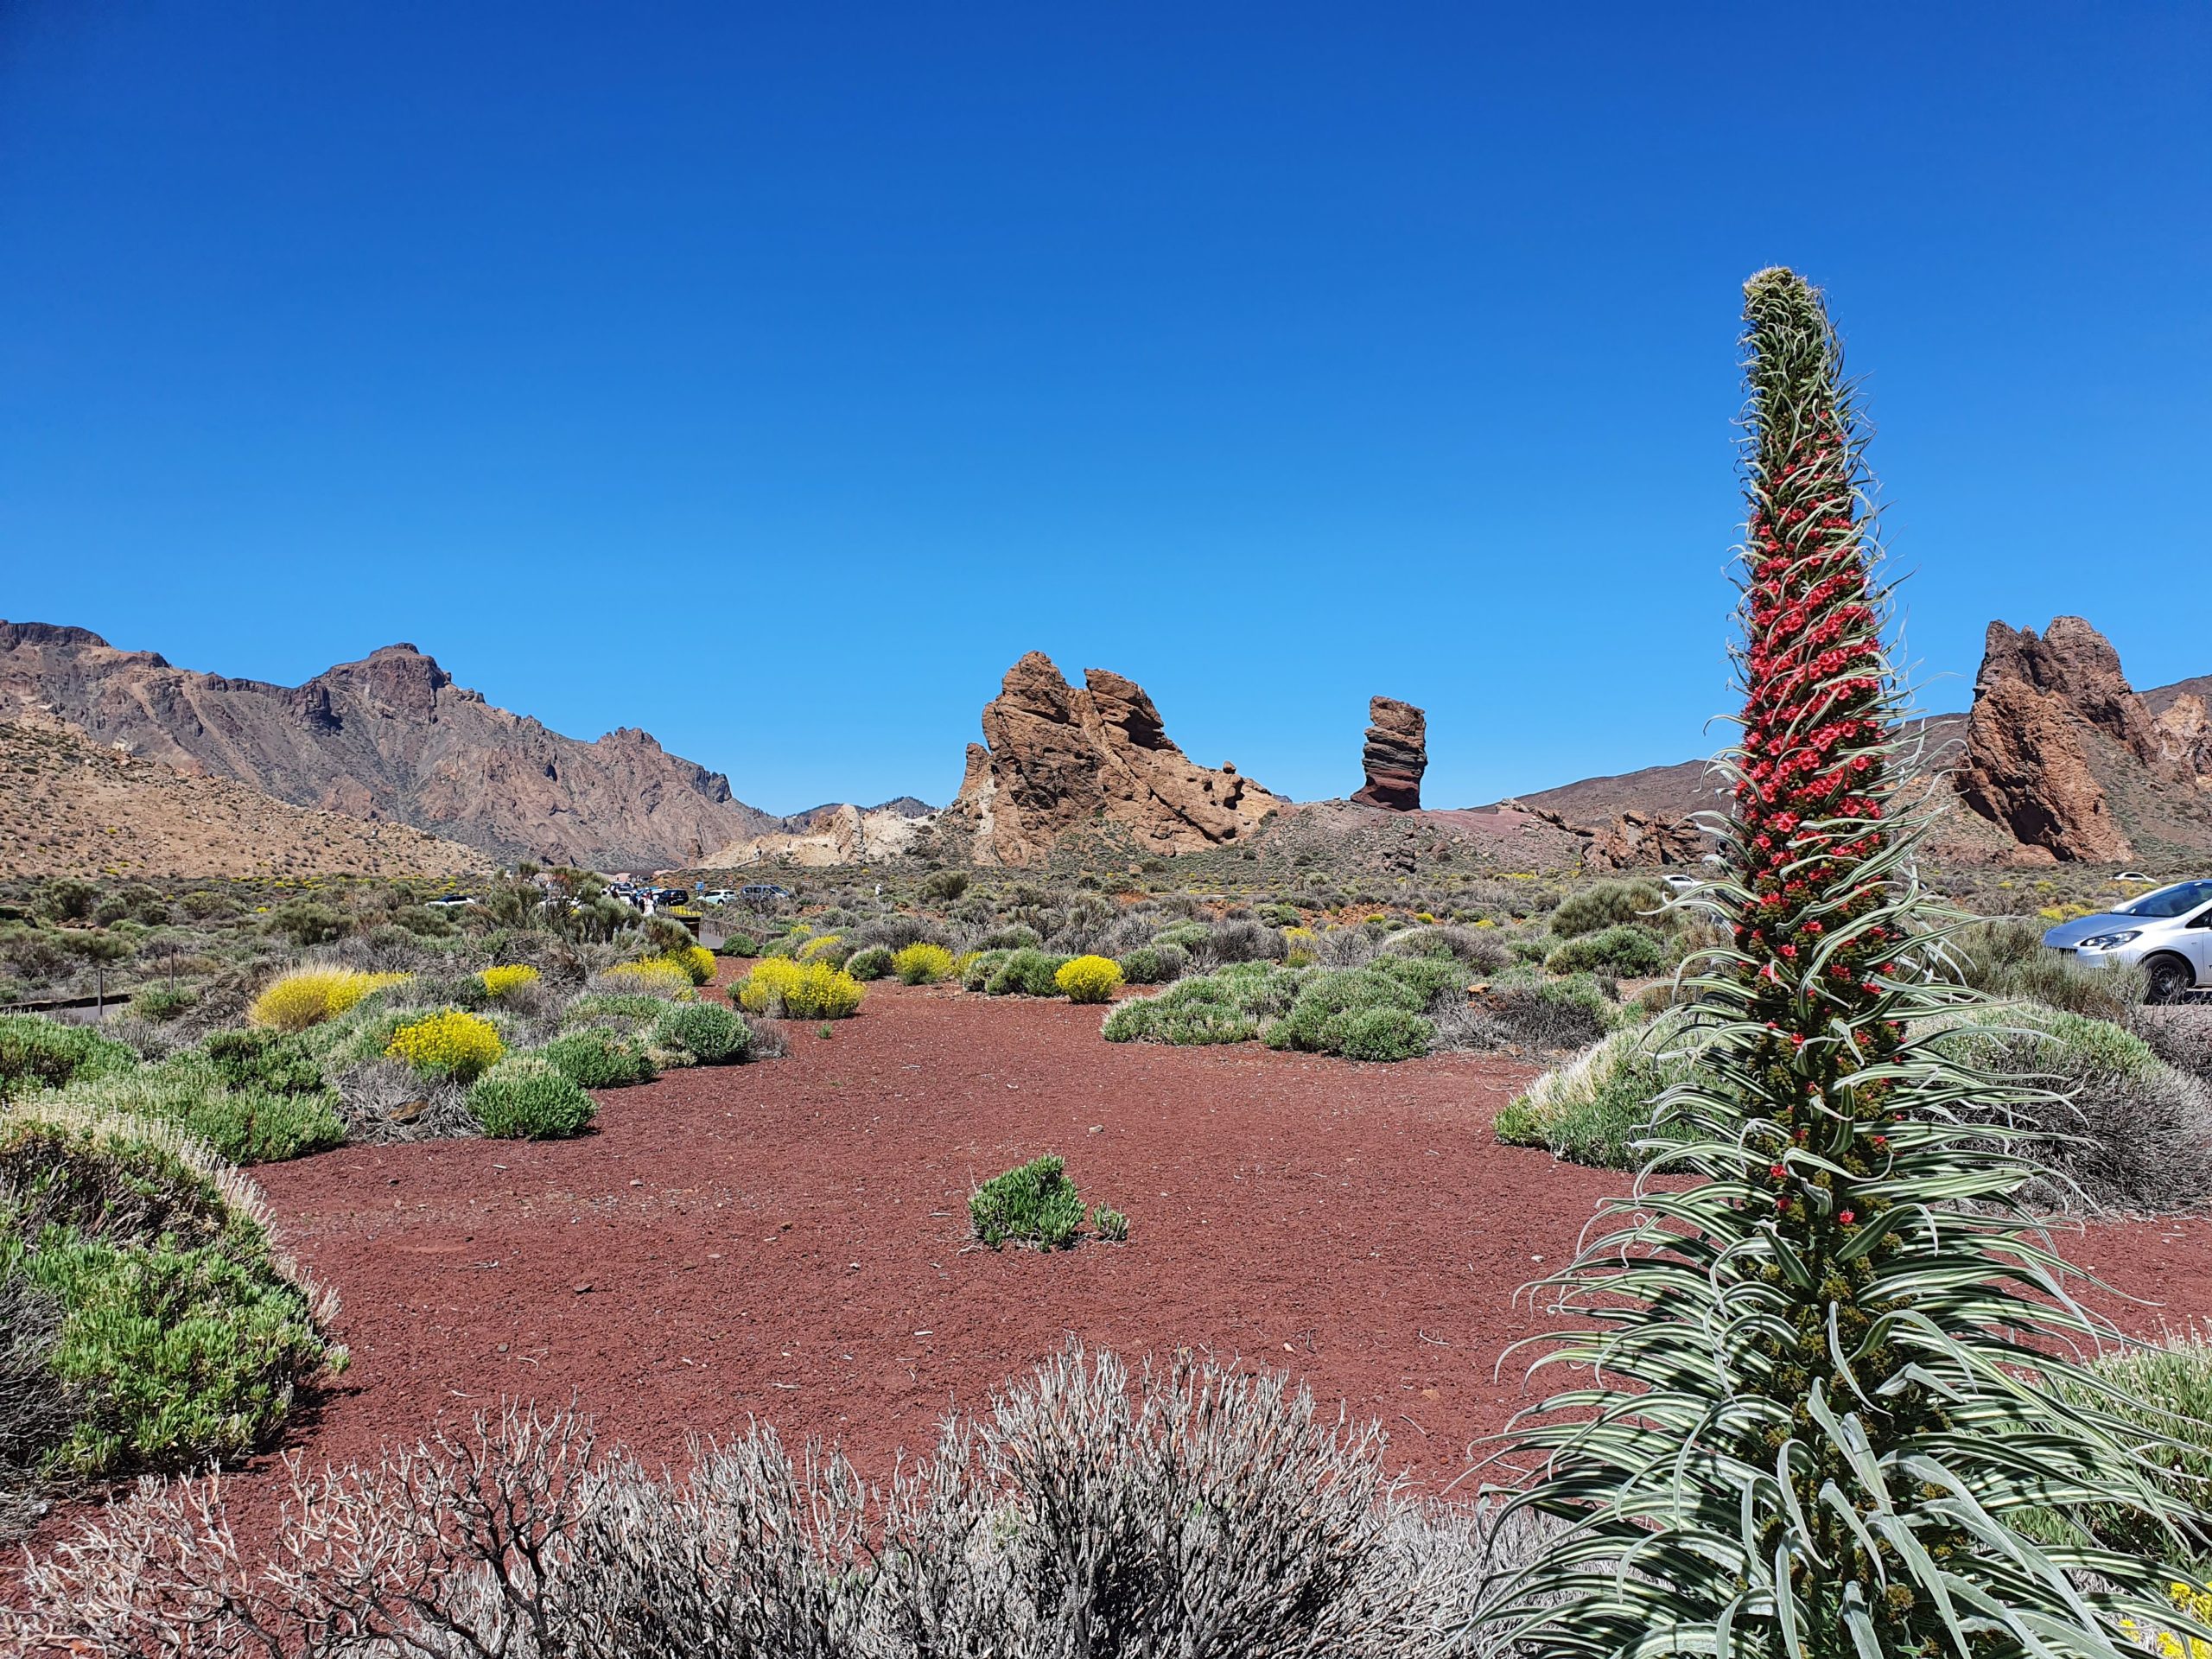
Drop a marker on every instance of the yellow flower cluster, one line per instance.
(800, 990)
(655, 977)
(1303, 943)
(2192, 1603)
(1088, 979)
(696, 961)
(507, 976)
(307, 996)
(450, 1044)
(922, 965)
(815, 950)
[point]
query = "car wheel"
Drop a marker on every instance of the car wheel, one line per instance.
(2167, 977)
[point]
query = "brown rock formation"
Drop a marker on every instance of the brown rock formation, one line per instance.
(1057, 758)
(1629, 841)
(391, 737)
(1395, 755)
(2040, 708)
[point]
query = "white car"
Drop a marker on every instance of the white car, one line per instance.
(2169, 931)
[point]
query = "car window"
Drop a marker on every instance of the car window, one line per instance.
(2169, 901)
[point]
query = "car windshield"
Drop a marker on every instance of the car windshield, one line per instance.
(2168, 901)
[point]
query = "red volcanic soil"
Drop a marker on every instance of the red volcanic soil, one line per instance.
(787, 1241)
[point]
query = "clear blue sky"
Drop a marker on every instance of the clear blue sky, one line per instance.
(773, 376)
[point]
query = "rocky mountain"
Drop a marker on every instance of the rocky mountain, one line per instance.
(2059, 760)
(1058, 758)
(73, 807)
(837, 833)
(388, 738)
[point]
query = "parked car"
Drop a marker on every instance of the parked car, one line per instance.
(759, 892)
(452, 902)
(2169, 931)
(722, 896)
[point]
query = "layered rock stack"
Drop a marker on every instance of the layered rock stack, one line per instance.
(1396, 756)
(1057, 757)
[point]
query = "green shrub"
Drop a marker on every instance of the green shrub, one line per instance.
(1595, 1107)
(870, 964)
(1185, 935)
(526, 1098)
(1111, 1224)
(922, 963)
(160, 1003)
(275, 1062)
(945, 884)
(1281, 915)
(250, 1123)
(593, 1057)
(1033, 1204)
(1609, 904)
(2007, 957)
(630, 1010)
(38, 1054)
(736, 944)
(2167, 1390)
(1382, 1034)
(1026, 972)
(1624, 950)
(1317, 1019)
(703, 1034)
(980, 966)
(181, 1340)
(1154, 964)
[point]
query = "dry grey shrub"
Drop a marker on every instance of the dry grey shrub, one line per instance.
(1193, 1510)
(385, 1100)
(35, 1414)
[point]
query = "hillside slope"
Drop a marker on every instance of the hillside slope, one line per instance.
(70, 807)
(390, 738)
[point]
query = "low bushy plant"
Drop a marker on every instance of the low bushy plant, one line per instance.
(703, 1034)
(1088, 979)
(1026, 972)
(1625, 950)
(182, 1336)
(1109, 1224)
(654, 976)
(160, 1003)
(869, 964)
(1382, 1034)
(813, 991)
(1596, 1108)
(307, 996)
(525, 1098)
(38, 1054)
(1608, 904)
(737, 943)
(249, 1112)
(1035, 1203)
(448, 1044)
(976, 967)
(924, 963)
(1154, 964)
(696, 961)
(508, 977)
(593, 1057)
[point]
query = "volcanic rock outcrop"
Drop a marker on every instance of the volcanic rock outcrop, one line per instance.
(2046, 712)
(1395, 755)
(1057, 757)
(388, 738)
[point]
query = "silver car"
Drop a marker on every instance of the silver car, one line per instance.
(2169, 931)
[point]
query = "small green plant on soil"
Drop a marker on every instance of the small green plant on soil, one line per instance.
(1109, 1224)
(1035, 1204)
(825, 1033)
(525, 1098)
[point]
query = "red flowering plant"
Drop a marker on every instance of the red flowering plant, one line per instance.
(1819, 1408)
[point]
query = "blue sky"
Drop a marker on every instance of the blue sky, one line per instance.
(773, 376)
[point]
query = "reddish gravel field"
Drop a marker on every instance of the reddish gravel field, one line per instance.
(787, 1241)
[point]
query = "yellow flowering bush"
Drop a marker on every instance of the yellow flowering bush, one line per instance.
(1303, 945)
(507, 976)
(2191, 1603)
(816, 949)
(812, 990)
(307, 996)
(696, 961)
(1088, 979)
(654, 976)
(448, 1044)
(922, 965)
